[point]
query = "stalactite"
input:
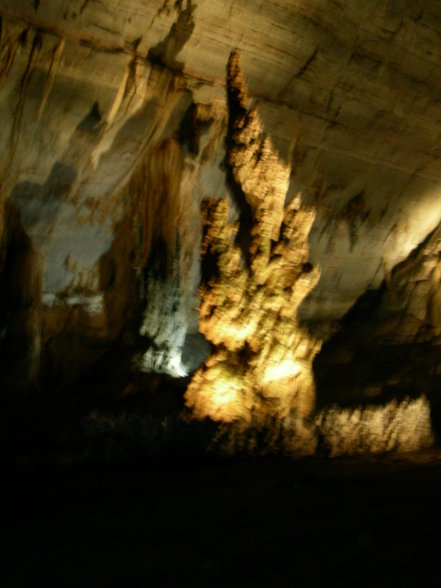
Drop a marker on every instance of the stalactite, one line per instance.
(253, 286)
(167, 240)
(52, 72)
(156, 188)
(8, 50)
(15, 131)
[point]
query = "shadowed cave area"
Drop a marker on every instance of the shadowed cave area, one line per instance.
(220, 292)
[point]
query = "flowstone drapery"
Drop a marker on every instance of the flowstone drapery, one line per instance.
(164, 220)
(255, 274)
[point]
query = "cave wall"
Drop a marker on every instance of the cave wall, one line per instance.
(347, 91)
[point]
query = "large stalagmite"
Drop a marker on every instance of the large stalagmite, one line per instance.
(255, 275)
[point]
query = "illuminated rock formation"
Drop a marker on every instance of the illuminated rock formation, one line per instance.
(253, 284)
(399, 427)
(164, 216)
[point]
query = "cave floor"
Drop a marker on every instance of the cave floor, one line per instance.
(226, 522)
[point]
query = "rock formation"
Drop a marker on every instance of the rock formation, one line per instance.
(255, 275)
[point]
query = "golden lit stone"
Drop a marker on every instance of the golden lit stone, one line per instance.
(250, 293)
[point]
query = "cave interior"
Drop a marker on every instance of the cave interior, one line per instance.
(220, 291)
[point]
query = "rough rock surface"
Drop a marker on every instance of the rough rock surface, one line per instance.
(255, 274)
(388, 344)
